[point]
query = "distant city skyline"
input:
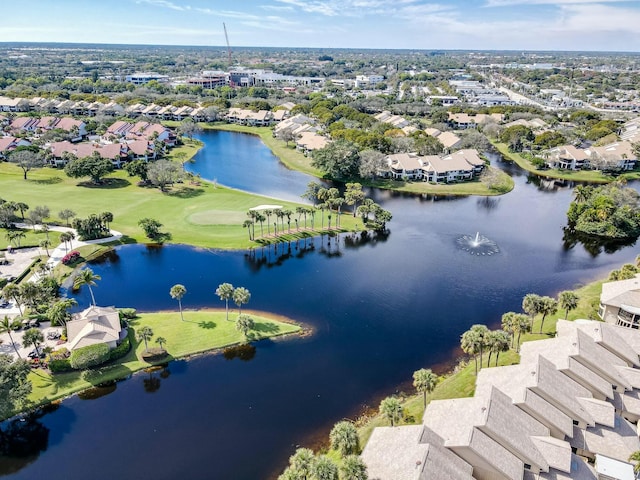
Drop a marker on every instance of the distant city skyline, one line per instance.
(574, 25)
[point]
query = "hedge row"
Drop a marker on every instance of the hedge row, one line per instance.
(90, 356)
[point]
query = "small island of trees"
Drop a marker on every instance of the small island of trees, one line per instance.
(609, 211)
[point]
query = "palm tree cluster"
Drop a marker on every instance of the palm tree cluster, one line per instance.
(305, 465)
(479, 340)
(239, 295)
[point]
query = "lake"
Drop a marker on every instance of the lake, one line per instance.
(382, 307)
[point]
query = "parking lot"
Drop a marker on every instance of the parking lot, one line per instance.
(6, 346)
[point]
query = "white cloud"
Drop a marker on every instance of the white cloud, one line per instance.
(164, 4)
(509, 3)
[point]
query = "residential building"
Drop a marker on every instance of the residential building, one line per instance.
(307, 142)
(620, 303)
(9, 144)
(94, 325)
(565, 412)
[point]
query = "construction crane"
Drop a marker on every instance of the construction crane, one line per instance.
(228, 46)
(231, 84)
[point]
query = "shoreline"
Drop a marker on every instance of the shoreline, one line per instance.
(132, 362)
(416, 188)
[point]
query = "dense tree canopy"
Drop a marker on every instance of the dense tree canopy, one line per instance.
(93, 166)
(611, 211)
(14, 385)
(339, 160)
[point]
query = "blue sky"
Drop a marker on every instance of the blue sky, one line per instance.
(422, 24)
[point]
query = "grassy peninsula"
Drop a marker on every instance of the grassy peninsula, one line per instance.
(201, 331)
(195, 213)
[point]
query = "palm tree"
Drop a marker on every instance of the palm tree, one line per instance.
(268, 212)
(58, 313)
(531, 305)
(287, 213)
(582, 193)
(244, 323)
(547, 306)
(7, 326)
(225, 292)
(508, 325)
(280, 214)
(302, 461)
(45, 243)
(473, 342)
(15, 236)
(145, 334)
(34, 337)
(13, 291)
(241, 296)
(344, 438)
(498, 342)
(323, 468)
(88, 278)
(522, 325)
(391, 408)
(568, 300)
(635, 457)
(67, 237)
(177, 292)
(301, 210)
(107, 218)
(161, 341)
(248, 224)
(261, 218)
(353, 468)
(424, 380)
(23, 207)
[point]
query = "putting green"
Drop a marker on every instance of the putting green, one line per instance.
(217, 217)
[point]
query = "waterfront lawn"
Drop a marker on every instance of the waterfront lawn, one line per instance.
(32, 239)
(199, 214)
(201, 331)
(593, 176)
(461, 382)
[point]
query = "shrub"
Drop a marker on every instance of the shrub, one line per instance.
(59, 354)
(127, 313)
(62, 365)
(91, 356)
(121, 350)
(71, 257)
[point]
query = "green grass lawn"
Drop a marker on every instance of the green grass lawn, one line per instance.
(199, 214)
(32, 238)
(577, 176)
(202, 331)
(461, 382)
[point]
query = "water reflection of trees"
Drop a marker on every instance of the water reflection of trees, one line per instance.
(593, 244)
(244, 352)
(22, 439)
(488, 203)
(154, 376)
(329, 245)
(110, 256)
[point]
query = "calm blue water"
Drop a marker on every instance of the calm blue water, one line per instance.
(382, 307)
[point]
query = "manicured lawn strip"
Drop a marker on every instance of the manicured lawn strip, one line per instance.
(32, 238)
(577, 176)
(202, 331)
(224, 208)
(474, 187)
(461, 382)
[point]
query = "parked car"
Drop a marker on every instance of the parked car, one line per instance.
(36, 353)
(53, 335)
(4, 303)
